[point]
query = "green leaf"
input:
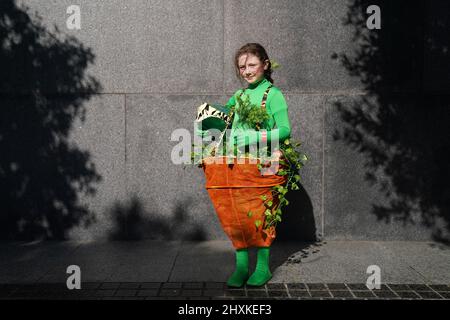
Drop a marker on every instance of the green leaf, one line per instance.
(274, 64)
(258, 223)
(267, 212)
(264, 197)
(269, 203)
(249, 214)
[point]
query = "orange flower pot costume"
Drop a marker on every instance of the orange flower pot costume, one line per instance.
(235, 190)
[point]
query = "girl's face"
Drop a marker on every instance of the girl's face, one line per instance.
(251, 68)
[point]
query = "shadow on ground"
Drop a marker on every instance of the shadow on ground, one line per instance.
(43, 89)
(285, 253)
(402, 125)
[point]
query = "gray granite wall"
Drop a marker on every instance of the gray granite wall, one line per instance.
(156, 61)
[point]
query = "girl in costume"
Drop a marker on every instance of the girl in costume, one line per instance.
(254, 67)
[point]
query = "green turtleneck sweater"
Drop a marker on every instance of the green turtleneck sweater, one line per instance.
(276, 107)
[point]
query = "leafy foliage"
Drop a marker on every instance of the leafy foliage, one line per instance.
(251, 114)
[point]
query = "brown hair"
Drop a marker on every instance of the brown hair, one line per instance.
(259, 51)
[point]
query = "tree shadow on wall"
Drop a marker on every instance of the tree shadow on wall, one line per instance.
(42, 90)
(133, 222)
(402, 125)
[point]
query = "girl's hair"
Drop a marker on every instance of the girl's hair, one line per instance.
(259, 51)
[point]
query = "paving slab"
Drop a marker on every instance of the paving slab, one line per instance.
(30, 262)
(131, 261)
(204, 261)
(328, 265)
(347, 261)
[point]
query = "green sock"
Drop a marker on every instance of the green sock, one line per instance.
(262, 273)
(241, 273)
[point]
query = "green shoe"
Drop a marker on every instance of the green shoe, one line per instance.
(262, 273)
(237, 279)
(241, 273)
(259, 278)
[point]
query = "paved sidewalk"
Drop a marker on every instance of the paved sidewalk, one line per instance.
(198, 270)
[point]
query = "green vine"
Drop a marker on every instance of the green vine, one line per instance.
(293, 161)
